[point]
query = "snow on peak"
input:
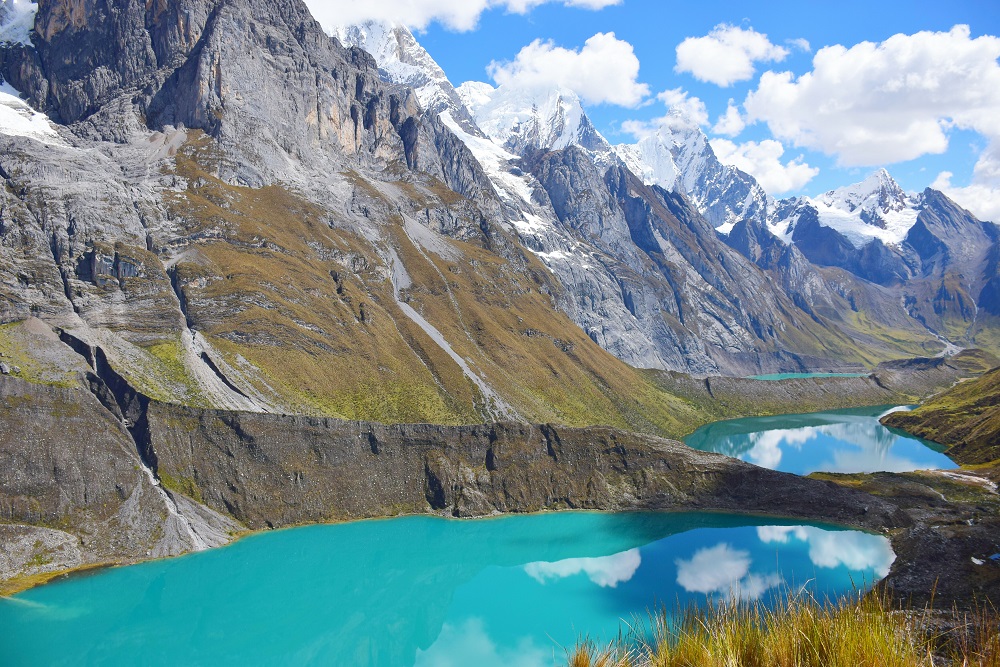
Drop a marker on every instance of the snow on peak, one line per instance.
(519, 118)
(676, 151)
(400, 57)
(20, 120)
(677, 156)
(17, 20)
(875, 208)
(878, 193)
(402, 60)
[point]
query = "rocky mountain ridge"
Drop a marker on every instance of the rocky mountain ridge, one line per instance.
(846, 260)
(246, 280)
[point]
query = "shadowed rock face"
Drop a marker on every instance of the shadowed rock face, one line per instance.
(75, 492)
(273, 471)
(262, 78)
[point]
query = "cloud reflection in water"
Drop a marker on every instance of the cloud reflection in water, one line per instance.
(606, 571)
(468, 643)
(723, 570)
(854, 550)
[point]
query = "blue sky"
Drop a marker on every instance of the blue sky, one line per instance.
(654, 29)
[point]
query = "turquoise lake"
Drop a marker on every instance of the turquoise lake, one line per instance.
(835, 441)
(512, 592)
(775, 377)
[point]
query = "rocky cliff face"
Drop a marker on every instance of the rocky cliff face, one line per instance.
(328, 249)
(78, 488)
(74, 492)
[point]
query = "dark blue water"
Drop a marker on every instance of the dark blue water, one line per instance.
(516, 591)
(835, 441)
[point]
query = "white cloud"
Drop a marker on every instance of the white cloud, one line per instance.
(763, 162)
(982, 195)
(730, 123)
(418, 14)
(683, 112)
(678, 99)
(726, 55)
(605, 70)
(875, 104)
(800, 44)
(606, 572)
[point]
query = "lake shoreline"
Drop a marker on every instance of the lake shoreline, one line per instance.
(216, 466)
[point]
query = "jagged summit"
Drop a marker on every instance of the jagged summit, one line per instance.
(521, 119)
(875, 208)
(678, 156)
(402, 60)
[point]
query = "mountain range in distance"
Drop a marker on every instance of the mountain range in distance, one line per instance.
(253, 275)
(352, 236)
(924, 263)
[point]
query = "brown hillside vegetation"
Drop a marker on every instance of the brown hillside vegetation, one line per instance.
(965, 417)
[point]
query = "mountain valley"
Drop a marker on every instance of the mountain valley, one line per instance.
(255, 275)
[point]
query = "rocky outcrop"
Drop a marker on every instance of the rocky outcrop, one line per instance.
(276, 471)
(74, 492)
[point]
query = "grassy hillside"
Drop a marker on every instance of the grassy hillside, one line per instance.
(966, 417)
(289, 288)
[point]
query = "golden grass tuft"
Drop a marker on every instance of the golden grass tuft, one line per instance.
(802, 632)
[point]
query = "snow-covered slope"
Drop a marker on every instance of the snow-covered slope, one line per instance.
(679, 157)
(520, 119)
(19, 119)
(17, 19)
(402, 60)
(875, 208)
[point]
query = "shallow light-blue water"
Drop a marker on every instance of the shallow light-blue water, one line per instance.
(774, 377)
(835, 441)
(515, 591)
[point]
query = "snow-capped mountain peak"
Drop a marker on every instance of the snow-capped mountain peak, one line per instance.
(878, 193)
(678, 149)
(402, 60)
(678, 156)
(398, 55)
(17, 20)
(518, 118)
(875, 208)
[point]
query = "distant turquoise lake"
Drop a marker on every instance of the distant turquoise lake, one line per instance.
(513, 592)
(774, 377)
(835, 441)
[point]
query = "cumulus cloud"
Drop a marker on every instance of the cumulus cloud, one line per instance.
(726, 55)
(875, 104)
(606, 571)
(683, 111)
(730, 123)
(763, 162)
(418, 14)
(605, 70)
(800, 44)
(982, 195)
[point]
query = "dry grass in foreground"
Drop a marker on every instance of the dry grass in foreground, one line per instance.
(801, 632)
